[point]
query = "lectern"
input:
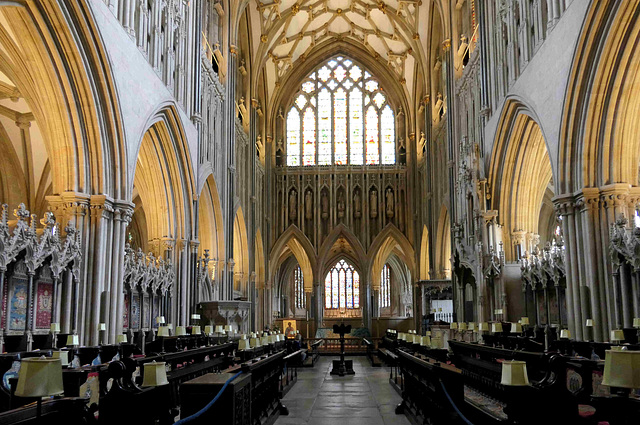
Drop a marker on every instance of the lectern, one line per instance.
(342, 367)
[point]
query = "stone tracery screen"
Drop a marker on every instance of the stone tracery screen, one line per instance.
(342, 287)
(340, 116)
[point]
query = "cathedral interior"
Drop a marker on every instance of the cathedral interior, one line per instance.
(207, 203)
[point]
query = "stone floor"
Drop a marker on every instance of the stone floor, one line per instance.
(365, 398)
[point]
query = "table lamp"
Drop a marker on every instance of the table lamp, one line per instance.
(73, 340)
(155, 374)
(160, 320)
(514, 373)
(471, 326)
(589, 323)
(524, 321)
(617, 335)
(195, 317)
(195, 330)
(163, 331)
(55, 328)
(102, 327)
(453, 325)
(219, 330)
(121, 339)
(208, 330)
(496, 327)
(622, 370)
(63, 356)
(516, 328)
(425, 341)
(243, 344)
(228, 329)
(428, 333)
(565, 334)
(462, 326)
(254, 342)
(483, 327)
(39, 377)
(181, 331)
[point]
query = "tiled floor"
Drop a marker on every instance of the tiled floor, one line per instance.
(365, 398)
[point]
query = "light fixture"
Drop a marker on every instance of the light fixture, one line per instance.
(472, 326)
(155, 374)
(121, 339)
(617, 335)
(425, 341)
(622, 369)
(39, 377)
(181, 331)
(163, 331)
(160, 320)
(589, 323)
(516, 328)
(514, 373)
(524, 321)
(73, 340)
(636, 322)
(63, 356)
(483, 327)
(195, 330)
(565, 334)
(496, 327)
(208, 330)
(453, 325)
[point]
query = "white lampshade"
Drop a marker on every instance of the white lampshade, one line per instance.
(622, 369)
(273, 339)
(228, 328)
(219, 329)
(453, 325)
(565, 333)
(73, 340)
(484, 326)
(63, 356)
(121, 338)
(514, 373)
(589, 323)
(181, 331)
(496, 327)
(516, 328)
(170, 325)
(499, 311)
(254, 342)
(472, 326)
(102, 327)
(195, 316)
(163, 331)
(160, 320)
(155, 374)
(524, 320)
(425, 341)
(462, 326)
(55, 327)
(39, 377)
(636, 322)
(195, 330)
(428, 333)
(264, 340)
(617, 335)
(243, 344)
(208, 330)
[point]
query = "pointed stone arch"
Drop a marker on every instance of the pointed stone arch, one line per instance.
(442, 261)
(390, 240)
(259, 261)
(211, 224)
(241, 271)
(424, 255)
(294, 242)
(357, 252)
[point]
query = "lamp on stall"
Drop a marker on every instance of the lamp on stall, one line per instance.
(39, 377)
(155, 374)
(565, 334)
(514, 373)
(617, 335)
(425, 341)
(181, 331)
(73, 340)
(453, 325)
(55, 328)
(121, 339)
(243, 344)
(589, 325)
(163, 331)
(62, 355)
(228, 329)
(471, 326)
(219, 330)
(254, 341)
(622, 369)
(195, 330)
(524, 321)
(102, 327)
(208, 330)
(516, 328)
(496, 327)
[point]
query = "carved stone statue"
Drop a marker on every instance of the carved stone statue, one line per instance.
(341, 205)
(373, 203)
(293, 207)
(325, 206)
(357, 207)
(390, 203)
(308, 205)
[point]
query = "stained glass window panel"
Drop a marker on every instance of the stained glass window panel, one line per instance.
(324, 127)
(293, 138)
(308, 87)
(356, 289)
(340, 127)
(373, 153)
(371, 85)
(327, 291)
(384, 298)
(301, 101)
(342, 288)
(334, 288)
(355, 73)
(339, 73)
(378, 99)
(324, 73)
(355, 125)
(387, 130)
(349, 289)
(309, 136)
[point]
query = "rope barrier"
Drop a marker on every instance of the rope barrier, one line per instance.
(446, 393)
(195, 416)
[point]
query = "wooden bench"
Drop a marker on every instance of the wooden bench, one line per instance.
(372, 353)
(313, 353)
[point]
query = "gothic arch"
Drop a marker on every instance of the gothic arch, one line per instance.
(299, 245)
(443, 245)
(240, 254)
(389, 241)
(70, 93)
(598, 137)
(358, 255)
(519, 174)
(424, 255)
(210, 223)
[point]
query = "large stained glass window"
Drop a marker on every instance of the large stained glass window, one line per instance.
(342, 287)
(298, 282)
(384, 297)
(340, 116)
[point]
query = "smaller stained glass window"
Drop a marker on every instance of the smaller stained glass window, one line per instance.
(384, 297)
(298, 281)
(342, 287)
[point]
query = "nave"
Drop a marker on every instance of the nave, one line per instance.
(365, 398)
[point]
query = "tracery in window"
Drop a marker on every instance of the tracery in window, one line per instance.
(298, 282)
(342, 287)
(346, 118)
(384, 297)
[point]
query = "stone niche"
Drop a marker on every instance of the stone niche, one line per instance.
(234, 313)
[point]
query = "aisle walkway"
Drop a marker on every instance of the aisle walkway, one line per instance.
(365, 398)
